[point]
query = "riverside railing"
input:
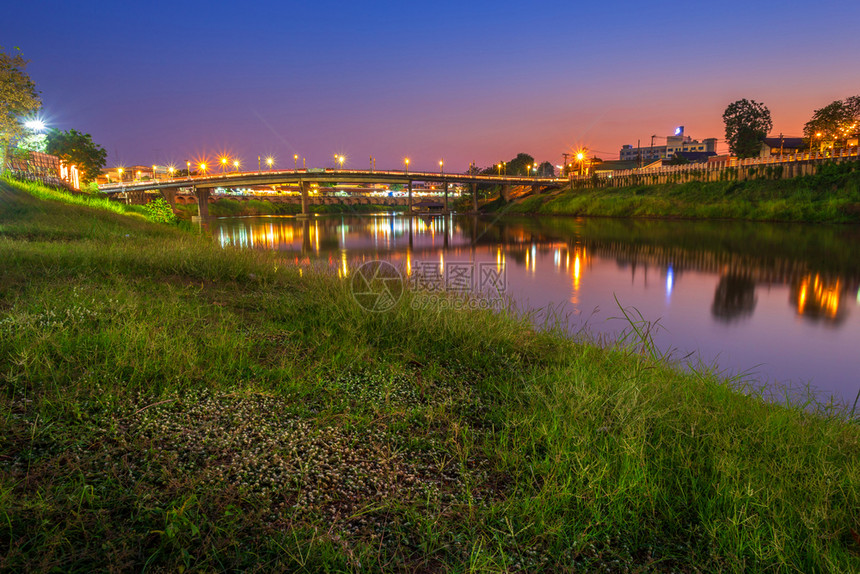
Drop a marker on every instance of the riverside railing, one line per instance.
(731, 169)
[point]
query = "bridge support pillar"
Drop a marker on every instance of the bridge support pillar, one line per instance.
(202, 194)
(535, 189)
(169, 195)
(303, 188)
(135, 197)
(409, 202)
(506, 193)
(474, 197)
(446, 198)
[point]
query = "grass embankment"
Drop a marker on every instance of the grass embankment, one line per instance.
(235, 207)
(832, 196)
(167, 404)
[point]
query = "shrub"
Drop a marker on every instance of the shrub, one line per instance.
(159, 211)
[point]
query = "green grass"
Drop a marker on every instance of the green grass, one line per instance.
(171, 405)
(832, 196)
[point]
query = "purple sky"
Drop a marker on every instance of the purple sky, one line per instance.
(162, 82)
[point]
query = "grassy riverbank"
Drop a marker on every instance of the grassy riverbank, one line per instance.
(234, 207)
(167, 404)
(832, 196)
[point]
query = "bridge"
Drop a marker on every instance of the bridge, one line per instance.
(203, 185)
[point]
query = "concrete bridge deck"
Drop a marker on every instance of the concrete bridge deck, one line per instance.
(203, 185)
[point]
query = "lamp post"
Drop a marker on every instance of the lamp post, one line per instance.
(188, 169)
(119, 172)
(269, 161)
(223, 164)
(171, 170)
(340, 159)
(442, 166)
(296, 161)
(406, 169)
(236, 165)
(203, 168)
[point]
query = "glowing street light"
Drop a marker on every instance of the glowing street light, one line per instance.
(35, 125)
(340, 159)
(269, 161)
(171, 170)
(406, 162)
(202, 167)
(580, 157)
(188, 168)
(442, 166)
(223, 164)
(296, 161)
(236, 165)
(119, 172)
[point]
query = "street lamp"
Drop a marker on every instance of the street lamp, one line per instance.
(236, 164)
(202, 167)
(223, 164)
(442, 166)
(340, 159)
(296, 161)
(269, 161)
(171, 170)
(580, 157)
(119, 172)
(406, 161)
(188, 168)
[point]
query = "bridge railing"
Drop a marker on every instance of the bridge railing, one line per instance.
(325, 173)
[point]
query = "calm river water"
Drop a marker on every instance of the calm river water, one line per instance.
(775, 303)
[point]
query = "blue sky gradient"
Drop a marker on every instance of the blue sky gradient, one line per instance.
(162, 82)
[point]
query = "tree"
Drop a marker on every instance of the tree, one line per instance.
(747, 124)
(546, 169)
(834, 123)
(18, 99)
(76, 148)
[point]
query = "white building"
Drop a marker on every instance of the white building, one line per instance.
(677, 143)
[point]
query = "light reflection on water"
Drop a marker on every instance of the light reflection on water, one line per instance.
(772, 300)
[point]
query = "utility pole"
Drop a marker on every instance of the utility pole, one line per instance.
(564, 156)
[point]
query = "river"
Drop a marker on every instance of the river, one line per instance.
(775, 304)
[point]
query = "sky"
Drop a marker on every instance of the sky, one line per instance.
(469, 81)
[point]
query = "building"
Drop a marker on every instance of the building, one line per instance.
(38, 166)
(775, 147)
(678, 143)
(612, 165)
